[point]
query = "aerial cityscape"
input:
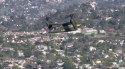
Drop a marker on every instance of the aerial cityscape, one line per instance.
(62, 34)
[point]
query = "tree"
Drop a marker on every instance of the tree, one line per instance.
(31, 47)
(52, 65)
(92, 35)
(113, 22)
(16, 53)
(110, 54)
(70, 40)
(1, 40)
(48, 43)
(53, 51)
(15, 67)
(3, 54)
(28, 66)
(68, 64)
(12, 17)
(37, 54)
(107, 63)
(27, 53)
(76, 46)
(83, 60)
(39, 62)
(37, 43)
(1, 67)
(82, 40)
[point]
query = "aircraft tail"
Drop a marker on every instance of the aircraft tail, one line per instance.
(48, 23)
(73, 22)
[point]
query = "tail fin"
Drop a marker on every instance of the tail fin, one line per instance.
(48, 23)
(73, 22)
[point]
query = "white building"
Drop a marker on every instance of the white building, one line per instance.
(20, 53)
(92, 48)
(101, 41)
(102, 32)
(59, 62)
(77, 31)
(108, 18)
(93, 4)
(88, 31)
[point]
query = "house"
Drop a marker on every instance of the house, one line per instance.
(28, 58)
(108, 18)
(78, 59)
(39, 66)
(89, 31)
(61, 52)
(106, 56)
(59, 68)
(80, 67)
(10, 65)
(118, 50)
(13, 41)
(56, 38)
(91, 48)
(77, 31)
(59, 62)
(122, 42)
(44, 52)
(93, 61)
(93, 4)
(12, 60)
(64, 38)
(46, 38)
(86, 65)
(78, 55)
(21, 61)
(101, 41)
(103, 32)
(41, 47)
(121, 67)
(115, 64)
(110, 50)
(109, 30)
(69, 44)
(48, 61)
(76, 64)
(21, 66)
(91, 67)
(7, 48)
(20, 53)
(98, 61)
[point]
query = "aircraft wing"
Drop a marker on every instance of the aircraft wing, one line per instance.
(63, 24)
(65, 27)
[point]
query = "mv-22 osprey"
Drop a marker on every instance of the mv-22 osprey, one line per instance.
(64, 27)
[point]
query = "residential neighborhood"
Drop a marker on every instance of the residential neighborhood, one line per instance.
(98, 42)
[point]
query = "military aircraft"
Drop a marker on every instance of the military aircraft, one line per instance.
(63, 27)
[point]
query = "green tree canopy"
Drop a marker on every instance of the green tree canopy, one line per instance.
(68, 64)
(1, 67)
(15, 53)
(39, 62)
(27, 53)
(1, 40)
(15, 67)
